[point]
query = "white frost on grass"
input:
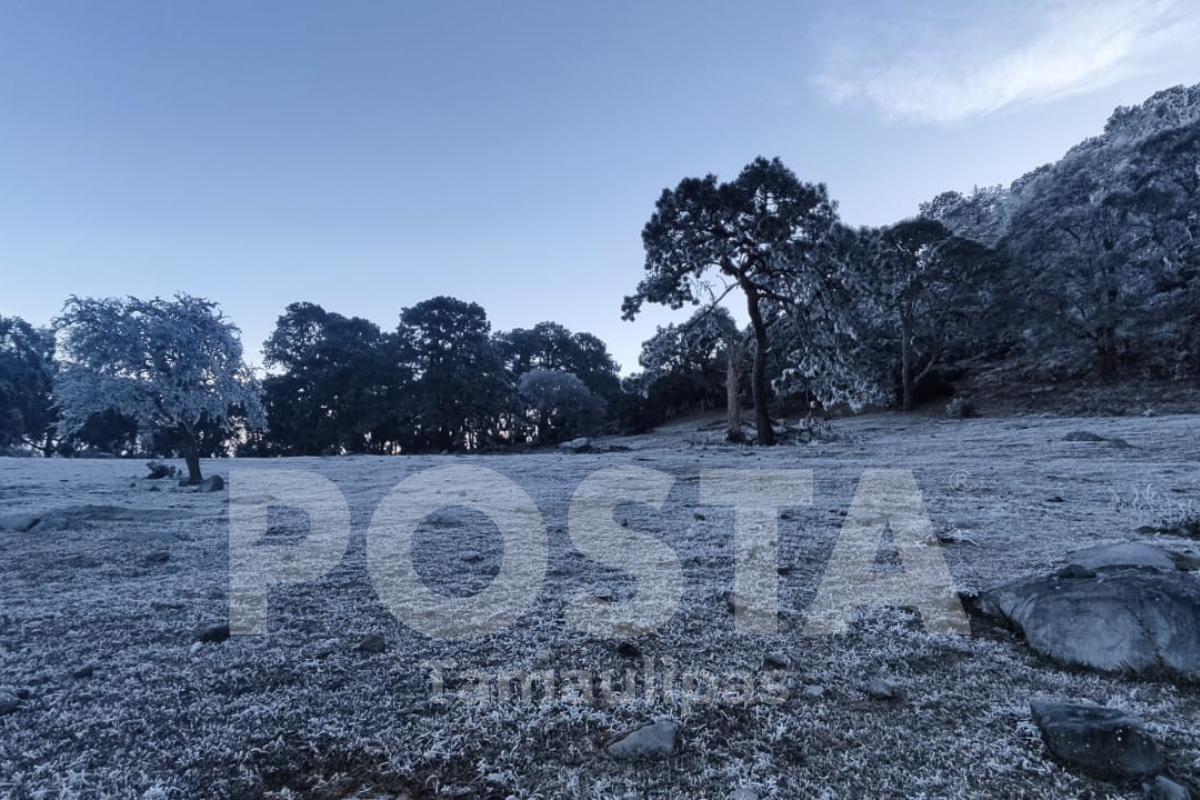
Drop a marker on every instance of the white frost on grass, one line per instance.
(299, 712)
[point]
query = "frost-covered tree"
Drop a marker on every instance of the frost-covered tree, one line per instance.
(1164, 187)
(826, 339)
(562, 406)
(1102, 243)
(1085, 273)
(982, 216)
(692, 356)
(755, 233)
(930, 284)
(897, 304)
(549, 345)
(175, 366)
(26, 379)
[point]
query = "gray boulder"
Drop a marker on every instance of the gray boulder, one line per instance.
(214, 634)
(879, 689)
(214, 483)
(18, 523)
(656, 740)
(77, 516)
(1136, 555)
(372, 644)
(1166, 789)
(775, 661)
(580, 445)
(1088, 436)
(1102, 742)
(1118, 621)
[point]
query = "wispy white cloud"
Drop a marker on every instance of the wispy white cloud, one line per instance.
(946, 70)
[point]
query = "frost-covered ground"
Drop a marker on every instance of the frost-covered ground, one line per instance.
(302, 712)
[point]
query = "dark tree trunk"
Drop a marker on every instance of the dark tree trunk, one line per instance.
(191, 453)
(733, 380)
(1106, 352)
(906, 365)
(193, 468)
(758, 378)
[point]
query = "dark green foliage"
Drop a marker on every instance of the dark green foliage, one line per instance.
(460, 387)
(560, 404)
(340, 387)
(26, 380)
(550, 346)
(441, 382)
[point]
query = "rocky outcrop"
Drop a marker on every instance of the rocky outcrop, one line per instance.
(1121, 620)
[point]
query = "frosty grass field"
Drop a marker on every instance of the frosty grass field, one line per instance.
(99, 627)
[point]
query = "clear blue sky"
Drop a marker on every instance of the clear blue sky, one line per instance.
(369, 155)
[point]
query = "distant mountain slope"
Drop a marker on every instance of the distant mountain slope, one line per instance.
(986, 213)
(1103, 244)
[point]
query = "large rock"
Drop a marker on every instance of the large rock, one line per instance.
(1166, 789)
(213, 483)
(1103, 742)
(1119, 621)
(656, 740)
(18, 523)
(1088, 436)
(214, 634)
(1137, 555)
(372, 644)
(879, 689)
(580, 445)
(77, 516)
(159, 470)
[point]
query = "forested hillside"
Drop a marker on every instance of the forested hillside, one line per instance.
(1102, 245)
(1082, 270)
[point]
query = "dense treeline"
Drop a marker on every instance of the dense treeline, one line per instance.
(442, 381)
(1086, 269)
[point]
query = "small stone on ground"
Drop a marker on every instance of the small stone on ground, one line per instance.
(1103, 742)
(656, 740)
(215, 634)
(372, 644)
(879, 689)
